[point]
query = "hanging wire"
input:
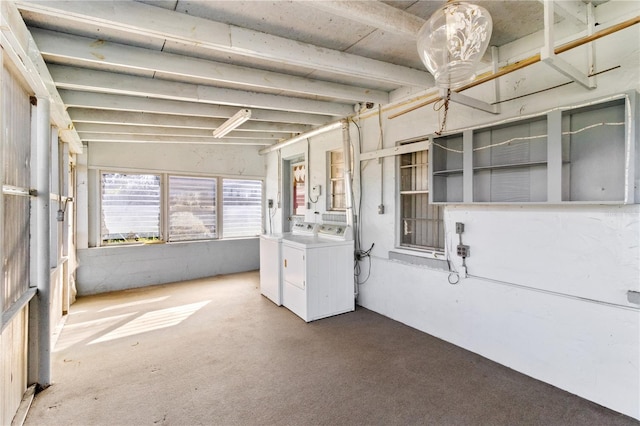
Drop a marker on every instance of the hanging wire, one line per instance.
(361, 255)
(444, 105)
(524, 138)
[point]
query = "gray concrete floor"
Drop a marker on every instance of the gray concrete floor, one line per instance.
(214, 351)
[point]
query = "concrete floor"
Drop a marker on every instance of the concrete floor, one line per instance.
(214, 351)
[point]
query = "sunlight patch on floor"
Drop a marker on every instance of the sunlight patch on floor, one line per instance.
(75, 333)
(154, 320)
(136, 303)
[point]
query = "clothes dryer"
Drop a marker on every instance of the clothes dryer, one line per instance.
(317, 273)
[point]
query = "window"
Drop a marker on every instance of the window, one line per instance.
(192, 208)
(134, 209)
(298, 174)
(421, 224)
(130, 208)
(336, 180)
(242, 211)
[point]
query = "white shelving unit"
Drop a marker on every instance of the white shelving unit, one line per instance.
(583, 154)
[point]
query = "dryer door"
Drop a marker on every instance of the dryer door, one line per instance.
(293, 267)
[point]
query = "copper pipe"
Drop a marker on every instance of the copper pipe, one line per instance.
(530, 61)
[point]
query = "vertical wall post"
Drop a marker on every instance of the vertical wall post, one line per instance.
(554, 157)
(467, 166)
(81, 200)
(40, 209)
(2, 145)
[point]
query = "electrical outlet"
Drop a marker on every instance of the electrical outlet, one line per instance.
(459, 227)
(462, 250)
(270, 203)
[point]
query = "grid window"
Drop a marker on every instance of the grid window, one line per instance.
(130, 208)
(192, 208)
(242, 207)
(336, 180)
(134, 208)
(298, 173)
(421, 223)
(15, 152)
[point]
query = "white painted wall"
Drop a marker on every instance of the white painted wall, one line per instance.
(221, 160)
(106, 269)
(117, 268)
(548, 296)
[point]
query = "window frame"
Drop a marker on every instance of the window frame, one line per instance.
(411, 147)
(100, 219)
(164, 204)
(167, 202)
(221, 205)
(330, 179)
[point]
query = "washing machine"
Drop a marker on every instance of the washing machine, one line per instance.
(317, 271)
(271, 267)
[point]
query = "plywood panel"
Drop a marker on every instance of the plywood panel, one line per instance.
(13, 365)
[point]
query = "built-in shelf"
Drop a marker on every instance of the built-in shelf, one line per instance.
(511, 166)
(581, 154)
(447, 172)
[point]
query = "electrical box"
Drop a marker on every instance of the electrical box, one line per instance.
(459, 227)
(462, 250)
(316, 191)
(270, 203)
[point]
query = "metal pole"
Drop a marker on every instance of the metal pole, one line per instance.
(346, 145)
(41, 211)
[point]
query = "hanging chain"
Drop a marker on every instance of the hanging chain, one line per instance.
(446, 110)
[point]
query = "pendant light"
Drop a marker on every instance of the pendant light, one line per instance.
(452, 42)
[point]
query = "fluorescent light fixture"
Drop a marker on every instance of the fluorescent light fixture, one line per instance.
(232, 123)
(311, 133)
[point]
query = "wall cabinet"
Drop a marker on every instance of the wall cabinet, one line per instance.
(583, 154)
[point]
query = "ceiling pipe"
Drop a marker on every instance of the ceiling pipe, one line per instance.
(315, 132)
(348, 175)
(529, 61)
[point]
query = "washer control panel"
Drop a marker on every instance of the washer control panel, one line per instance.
(304, 228)
(336, 232)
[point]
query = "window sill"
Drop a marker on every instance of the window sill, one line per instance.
(168, 243)
(431, 259)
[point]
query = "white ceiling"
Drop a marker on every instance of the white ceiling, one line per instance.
(174, 70)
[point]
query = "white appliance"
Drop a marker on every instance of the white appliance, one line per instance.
(317, 271)
(271, 267)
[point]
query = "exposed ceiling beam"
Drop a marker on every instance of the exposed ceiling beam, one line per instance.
(375, 14)
(573, 10)
(182, 28)
(103, 137)
(112, 129)
(75, 99)
(92, 51)
(18, 43)
(106, 82)
(97, 116)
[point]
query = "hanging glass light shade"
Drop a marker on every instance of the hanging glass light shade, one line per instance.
(452, 42)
